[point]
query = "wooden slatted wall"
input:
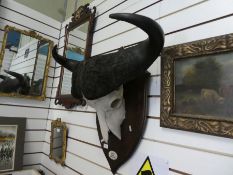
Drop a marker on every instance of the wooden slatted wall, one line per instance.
(188, 153)
(36, 112)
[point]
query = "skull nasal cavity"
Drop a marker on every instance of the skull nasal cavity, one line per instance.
(115, 103)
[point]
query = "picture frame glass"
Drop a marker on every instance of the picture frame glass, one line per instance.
(204, 86)
(57, 143)
(8, 137)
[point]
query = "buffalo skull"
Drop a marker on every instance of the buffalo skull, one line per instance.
(111, 112)
(99, 79)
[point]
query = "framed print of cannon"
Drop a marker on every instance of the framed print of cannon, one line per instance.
(197, 86)
(11, 143)
(24, 63)
(77, 47)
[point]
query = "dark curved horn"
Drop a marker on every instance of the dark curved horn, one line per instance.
(16, 75)
(155, 43)
(3, 77)
(67, 63)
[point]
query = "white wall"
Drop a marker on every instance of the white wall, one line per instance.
(188, 153)
(52, 8)
(36, 112)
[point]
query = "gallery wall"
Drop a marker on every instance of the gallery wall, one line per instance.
(187, 153)
(36, 112)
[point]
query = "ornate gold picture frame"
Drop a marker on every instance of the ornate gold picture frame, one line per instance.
(41, 40)
(58, 141)
(197, 86)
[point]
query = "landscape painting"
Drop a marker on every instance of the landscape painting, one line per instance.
(204, 85)
(8, 135)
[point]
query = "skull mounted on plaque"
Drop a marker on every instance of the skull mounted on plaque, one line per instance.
(115, 85)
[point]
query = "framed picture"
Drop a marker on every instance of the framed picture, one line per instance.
(197, 86)
(11, 143)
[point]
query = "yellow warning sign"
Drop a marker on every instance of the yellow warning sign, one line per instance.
(146, 168)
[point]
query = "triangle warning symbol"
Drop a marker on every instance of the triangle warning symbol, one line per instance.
(146, 168)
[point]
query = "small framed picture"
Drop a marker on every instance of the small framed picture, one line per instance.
(12, 133)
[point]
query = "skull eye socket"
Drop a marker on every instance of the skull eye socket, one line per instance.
(115, 103)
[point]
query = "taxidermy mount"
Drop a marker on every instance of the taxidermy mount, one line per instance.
(115, 85)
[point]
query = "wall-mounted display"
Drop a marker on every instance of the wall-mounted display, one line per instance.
(197, 86)
(58, 141)
(11, 143)
(24, 64)
(115, 85)
(78, 44)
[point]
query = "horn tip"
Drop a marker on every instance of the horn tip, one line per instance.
(116, 15)
(111, 15)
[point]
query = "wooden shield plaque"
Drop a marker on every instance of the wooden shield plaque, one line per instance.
(118, 151)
